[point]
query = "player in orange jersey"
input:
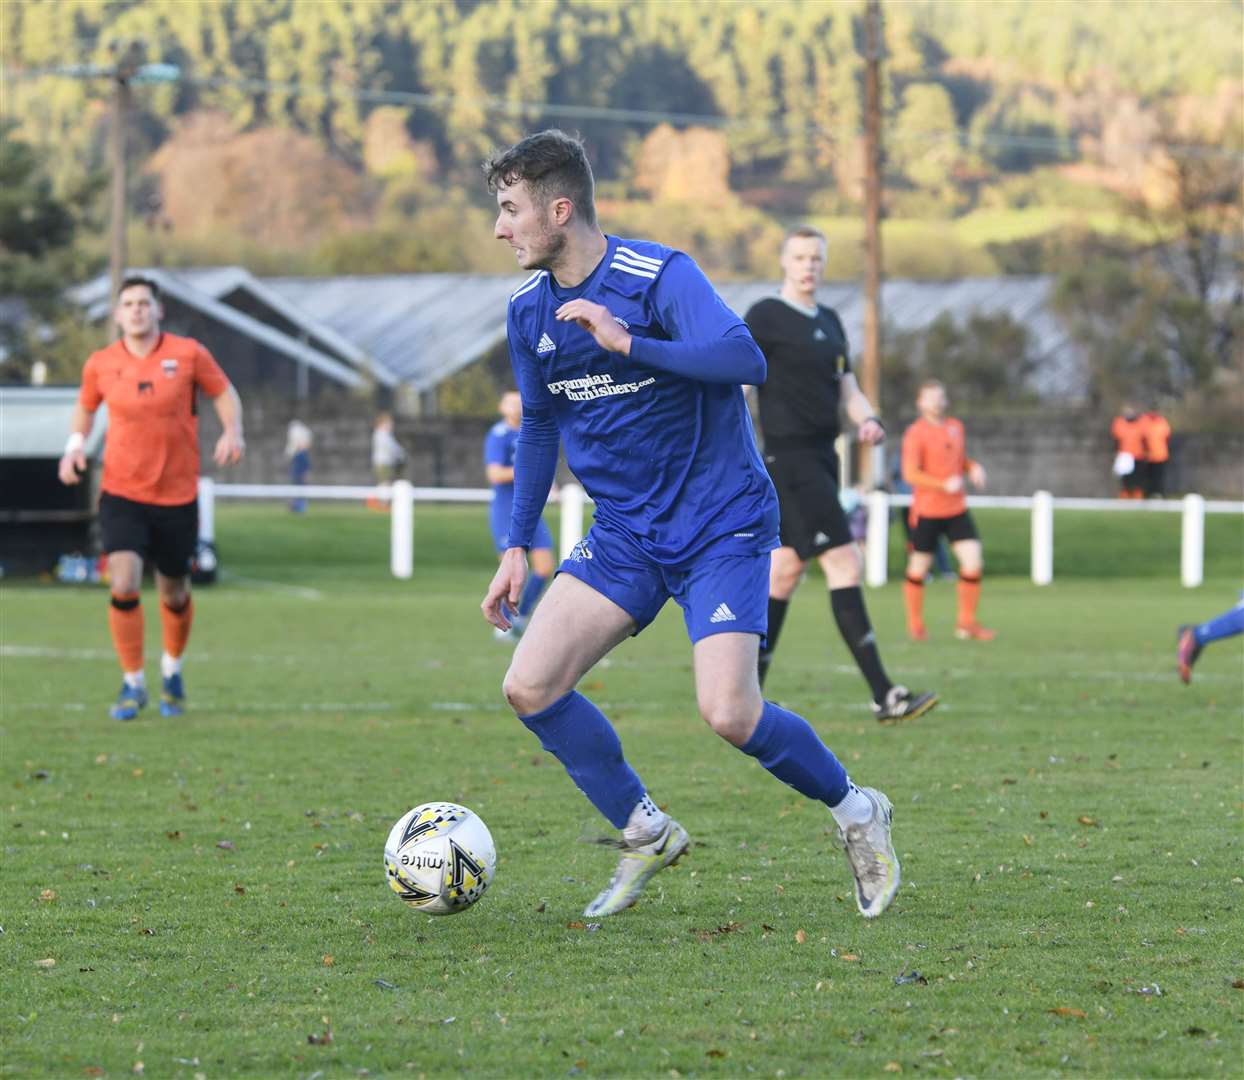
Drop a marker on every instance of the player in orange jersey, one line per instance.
(148, 508)
(1131, 458)
(1157, 433)
(934, 463)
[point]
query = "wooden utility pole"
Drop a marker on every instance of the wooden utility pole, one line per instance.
(129, 59)
(870, 369)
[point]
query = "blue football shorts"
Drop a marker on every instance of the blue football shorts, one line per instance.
(718, 594)
(499, 522)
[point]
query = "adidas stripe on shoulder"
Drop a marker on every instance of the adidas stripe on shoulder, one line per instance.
(528, 285)
(630, 261)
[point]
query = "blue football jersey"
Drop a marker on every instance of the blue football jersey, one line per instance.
(670, 460)
(499, 446)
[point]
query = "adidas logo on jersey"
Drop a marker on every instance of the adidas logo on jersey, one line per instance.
(819, 335)
(546, 345)
(722, 614)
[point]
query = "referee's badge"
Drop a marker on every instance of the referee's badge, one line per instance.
(842, 364)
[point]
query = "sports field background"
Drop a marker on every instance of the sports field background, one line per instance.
(211, 890)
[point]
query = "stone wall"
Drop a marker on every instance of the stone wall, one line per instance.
(1066, 453)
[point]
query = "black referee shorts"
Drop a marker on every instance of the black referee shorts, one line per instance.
(813, 520)
(163, 535)
(928, 529)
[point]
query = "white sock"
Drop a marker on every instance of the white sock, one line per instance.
(169, 665)
(855, 809)
(646, 823)
(136, 679)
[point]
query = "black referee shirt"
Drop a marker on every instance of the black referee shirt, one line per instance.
(807, 357)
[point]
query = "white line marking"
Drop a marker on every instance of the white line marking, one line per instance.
(304, 592)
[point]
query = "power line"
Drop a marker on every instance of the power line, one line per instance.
(1059, 145)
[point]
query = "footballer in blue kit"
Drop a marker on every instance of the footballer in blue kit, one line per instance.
(499, 447)
(625, 355)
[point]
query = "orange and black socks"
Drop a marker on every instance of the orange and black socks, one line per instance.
(125, 621)
(175, 626)
(913, 594)
(969, 597)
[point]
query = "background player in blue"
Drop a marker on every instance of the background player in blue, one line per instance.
(623, 350)
(499, 446)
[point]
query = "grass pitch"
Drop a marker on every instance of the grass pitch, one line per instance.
(206, 896)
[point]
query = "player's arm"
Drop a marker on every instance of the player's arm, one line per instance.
(913, 466)
(495, 468)
(535, 468)
(710, 342)
(231, 445)
(871, 430)
(73, 460)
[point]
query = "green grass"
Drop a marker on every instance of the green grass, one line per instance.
(1069, 822)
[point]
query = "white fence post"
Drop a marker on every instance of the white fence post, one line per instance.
(207, 509)
(571, 498)
(877, 542)
(402, 529)
(1192, 546)
(1042, 537)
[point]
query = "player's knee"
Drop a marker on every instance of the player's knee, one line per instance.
(525, 695)
(785, 579)
(843, 566)
(733, 718)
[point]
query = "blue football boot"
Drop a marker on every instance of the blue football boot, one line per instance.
(172, 696)
(130, 701)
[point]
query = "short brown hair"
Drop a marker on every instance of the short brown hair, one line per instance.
(554, 166)
(804, 232)
(930, 384)
(130, 280)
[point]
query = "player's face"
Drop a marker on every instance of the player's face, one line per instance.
(803, 262)
(527, 226)
(511, 409)
(932, 402)
(138, 313)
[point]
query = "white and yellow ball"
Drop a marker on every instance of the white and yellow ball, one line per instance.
(439, 858)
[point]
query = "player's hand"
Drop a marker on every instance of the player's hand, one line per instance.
(871, 433)
(72, 467)
(976, 473)
(506, 588)
(953, 484)
(229, 448)
(598, 321)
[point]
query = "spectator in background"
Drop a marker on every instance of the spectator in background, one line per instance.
(387, 456)
(1129, 457)
(1157, 435)
(298, 454)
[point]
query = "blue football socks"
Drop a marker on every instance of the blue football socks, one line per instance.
(786, 745)
(1227, 624)
(531, 593)
(577, 733)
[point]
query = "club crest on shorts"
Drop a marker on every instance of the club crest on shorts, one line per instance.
(581, 552)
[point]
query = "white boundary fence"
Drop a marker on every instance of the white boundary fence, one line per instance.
(403, 495)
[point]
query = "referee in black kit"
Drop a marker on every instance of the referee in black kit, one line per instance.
(809, 377)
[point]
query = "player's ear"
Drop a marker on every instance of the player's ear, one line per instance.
(561, 210)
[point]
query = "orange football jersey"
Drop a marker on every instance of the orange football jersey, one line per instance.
(932, 453)
(152, 451)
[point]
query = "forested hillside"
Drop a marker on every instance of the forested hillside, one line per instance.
(991, 108)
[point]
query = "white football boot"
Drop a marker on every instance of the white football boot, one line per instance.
(872, 857)
(636, 867)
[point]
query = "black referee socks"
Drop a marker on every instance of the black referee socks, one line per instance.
(848, 608)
